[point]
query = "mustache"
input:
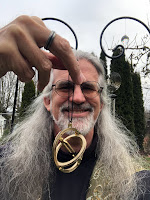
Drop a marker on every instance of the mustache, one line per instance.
(77, 107)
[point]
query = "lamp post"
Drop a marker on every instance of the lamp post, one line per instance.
(122, 47)
(113, 84)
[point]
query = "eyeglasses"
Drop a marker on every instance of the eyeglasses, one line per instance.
(65, 88)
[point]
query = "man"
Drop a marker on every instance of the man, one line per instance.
(110, 164)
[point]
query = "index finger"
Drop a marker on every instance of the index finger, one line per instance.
(61, 48)
(56, 62)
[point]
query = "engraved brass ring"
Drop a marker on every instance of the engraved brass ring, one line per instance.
(59, 141)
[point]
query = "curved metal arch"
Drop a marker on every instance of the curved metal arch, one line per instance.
(63, 22)
(119, 46)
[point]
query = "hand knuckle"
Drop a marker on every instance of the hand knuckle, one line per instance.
(14, 30)
(64, 45)
(46, 69)
(27, 21)
(38, 20)
(23, 19)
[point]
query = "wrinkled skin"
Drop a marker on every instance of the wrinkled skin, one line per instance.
(20, 43)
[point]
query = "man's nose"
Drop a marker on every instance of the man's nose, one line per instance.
(78, 96)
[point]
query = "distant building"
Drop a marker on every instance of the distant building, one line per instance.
(2, 125)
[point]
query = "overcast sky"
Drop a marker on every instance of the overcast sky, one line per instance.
(86, 17)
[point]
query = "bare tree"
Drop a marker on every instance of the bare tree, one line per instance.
(7, 91)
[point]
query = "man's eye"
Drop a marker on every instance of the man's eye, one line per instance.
(89, 87)
(61, 87)
(65, 86)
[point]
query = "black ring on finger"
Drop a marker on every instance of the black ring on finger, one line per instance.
(50, 40)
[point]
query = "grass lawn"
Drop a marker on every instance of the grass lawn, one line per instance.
(148, 160)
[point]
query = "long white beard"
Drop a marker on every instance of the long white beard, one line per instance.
(82, 124)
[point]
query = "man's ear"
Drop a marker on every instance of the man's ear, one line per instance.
(47, 103)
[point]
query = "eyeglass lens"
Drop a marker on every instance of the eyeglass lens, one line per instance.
(65, 88)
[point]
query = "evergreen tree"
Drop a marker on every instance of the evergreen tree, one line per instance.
(139, 118)
(124, 100)
(27, 97)
(103, 58)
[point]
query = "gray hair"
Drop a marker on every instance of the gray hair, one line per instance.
(26, 161)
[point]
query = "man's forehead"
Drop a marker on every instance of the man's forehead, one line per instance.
(60, 73)
(86, 67)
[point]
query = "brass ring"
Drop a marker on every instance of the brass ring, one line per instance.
(72, 164)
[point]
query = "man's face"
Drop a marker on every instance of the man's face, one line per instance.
(85, 111)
